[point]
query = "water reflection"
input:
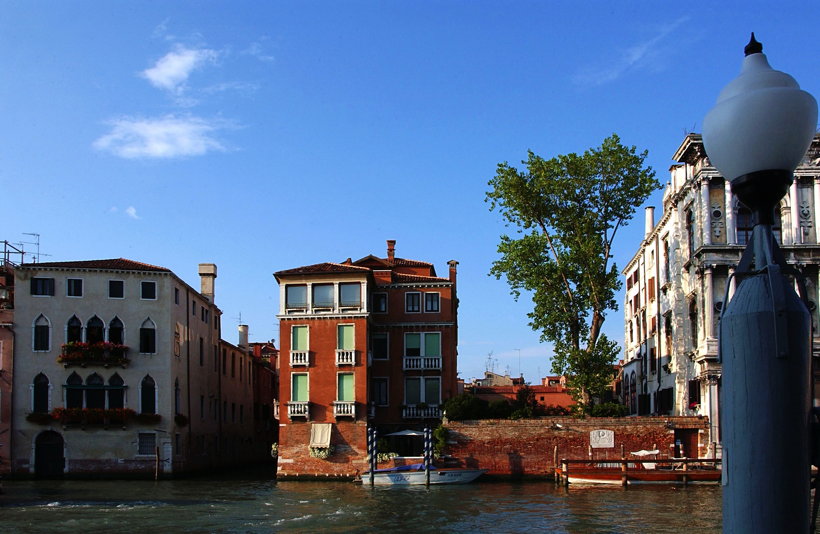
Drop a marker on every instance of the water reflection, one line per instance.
(250, 504)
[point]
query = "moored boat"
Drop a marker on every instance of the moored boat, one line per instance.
(416, 475)
(624, 472)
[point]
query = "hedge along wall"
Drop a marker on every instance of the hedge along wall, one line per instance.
(526, 447)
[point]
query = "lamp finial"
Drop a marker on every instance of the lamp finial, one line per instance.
(753, 47)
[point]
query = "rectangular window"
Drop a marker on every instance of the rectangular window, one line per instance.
(74, 287)
(345, 390)
(350, 295)
(116, 289)
(193, 308)
(147, 444)
(296, 296)
(299, 387)
(380, 302)
(299, 338)
(419, 390)
(427, 344)
(176, 295)
(378, 342)
(650, 289)
(202, 407)
(42, 286)
(148, 290)
(379, 391)
(323, 296)
(345, 339)
(201, 352)
(412, 302)
(431, 302)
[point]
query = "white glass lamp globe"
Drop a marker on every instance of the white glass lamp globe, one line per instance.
(762, 121)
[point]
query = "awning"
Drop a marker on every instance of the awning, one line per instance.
(407, 433)
(320, 434)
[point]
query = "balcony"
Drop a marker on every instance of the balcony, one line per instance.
(420, 363)
(421, 411)
(345, 357)
(299, 409)
(344, 409)
(707, 351)
(103, 353)
(299, 357)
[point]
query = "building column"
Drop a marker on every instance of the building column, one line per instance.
(731, 231)
(794, 216)
(706, 212)
(816, 214)
(732, 284)
(708, 305)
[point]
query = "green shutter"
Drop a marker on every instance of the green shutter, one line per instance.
(412, 390)
(345, 338)
(431, 390)
(412, 344)
(432, 344)
(346, 392)
(299, 339)
(300, 388)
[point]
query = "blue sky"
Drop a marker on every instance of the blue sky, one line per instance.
(262, 136)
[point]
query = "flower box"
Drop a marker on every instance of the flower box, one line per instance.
(103, 353)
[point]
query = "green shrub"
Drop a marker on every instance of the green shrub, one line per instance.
(607, 409)
(465, 407)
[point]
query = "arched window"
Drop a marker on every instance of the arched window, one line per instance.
(40, 396)
(94, 330)
(74, 391)
(95, 392)
(115, 331)
(633, 394)
(148, 399)
(116, 392)
(693, 323)
(148, 337)
(42, 334)
(74, 330)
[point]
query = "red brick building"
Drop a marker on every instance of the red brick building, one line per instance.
(366, 342)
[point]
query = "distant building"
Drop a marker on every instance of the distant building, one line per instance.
(120, 369)
(676, 283)
(7, 265)
(551, 392)
(367, 342)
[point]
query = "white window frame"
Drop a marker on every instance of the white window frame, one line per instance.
(123, 289)
(438, 302)
(152, 453)
(406, 307)
(68, 284)
(422, 344)
(34, 335)
(53, 286)
(294, 373)
(380, 294)
(156, 289)
(423, 389)
(387, 348)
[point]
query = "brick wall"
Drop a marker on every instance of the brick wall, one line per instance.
(526, 448)
(349, 457)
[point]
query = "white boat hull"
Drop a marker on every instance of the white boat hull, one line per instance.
(437, 476)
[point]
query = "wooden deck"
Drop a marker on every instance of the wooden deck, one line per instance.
(627, 471)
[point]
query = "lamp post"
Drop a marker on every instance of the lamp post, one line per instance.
(756, 135)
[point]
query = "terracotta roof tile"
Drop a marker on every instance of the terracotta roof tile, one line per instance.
(402, 278)
(321, 268)
(117, 264)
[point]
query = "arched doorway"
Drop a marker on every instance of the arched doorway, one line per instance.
(48, 455)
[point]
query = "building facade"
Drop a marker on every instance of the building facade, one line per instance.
(367, 342)
(7, 266)
(121, 370)
(681, 276)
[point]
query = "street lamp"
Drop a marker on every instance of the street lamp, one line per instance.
(756, 135)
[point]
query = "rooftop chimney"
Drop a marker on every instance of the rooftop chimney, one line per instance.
(453, 264)
(391, 249)
(650, 220)
(243, 336)
(207, 275)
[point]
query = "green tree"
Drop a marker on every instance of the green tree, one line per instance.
(566, 212)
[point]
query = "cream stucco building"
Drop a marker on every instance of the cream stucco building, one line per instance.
(120, 369)
(676, 283)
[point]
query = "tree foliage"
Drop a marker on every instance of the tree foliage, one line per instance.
(566, 212)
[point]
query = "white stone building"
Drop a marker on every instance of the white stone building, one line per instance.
(676, 283)
(119, 369)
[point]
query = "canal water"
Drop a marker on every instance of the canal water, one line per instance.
(256, 504)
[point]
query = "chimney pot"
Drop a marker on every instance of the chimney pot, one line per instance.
(207, 275)
(391, 249)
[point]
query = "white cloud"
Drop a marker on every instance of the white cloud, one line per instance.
(641, 55)
(131, 211)
(162, 138)
(173, 69)
(256, 50)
